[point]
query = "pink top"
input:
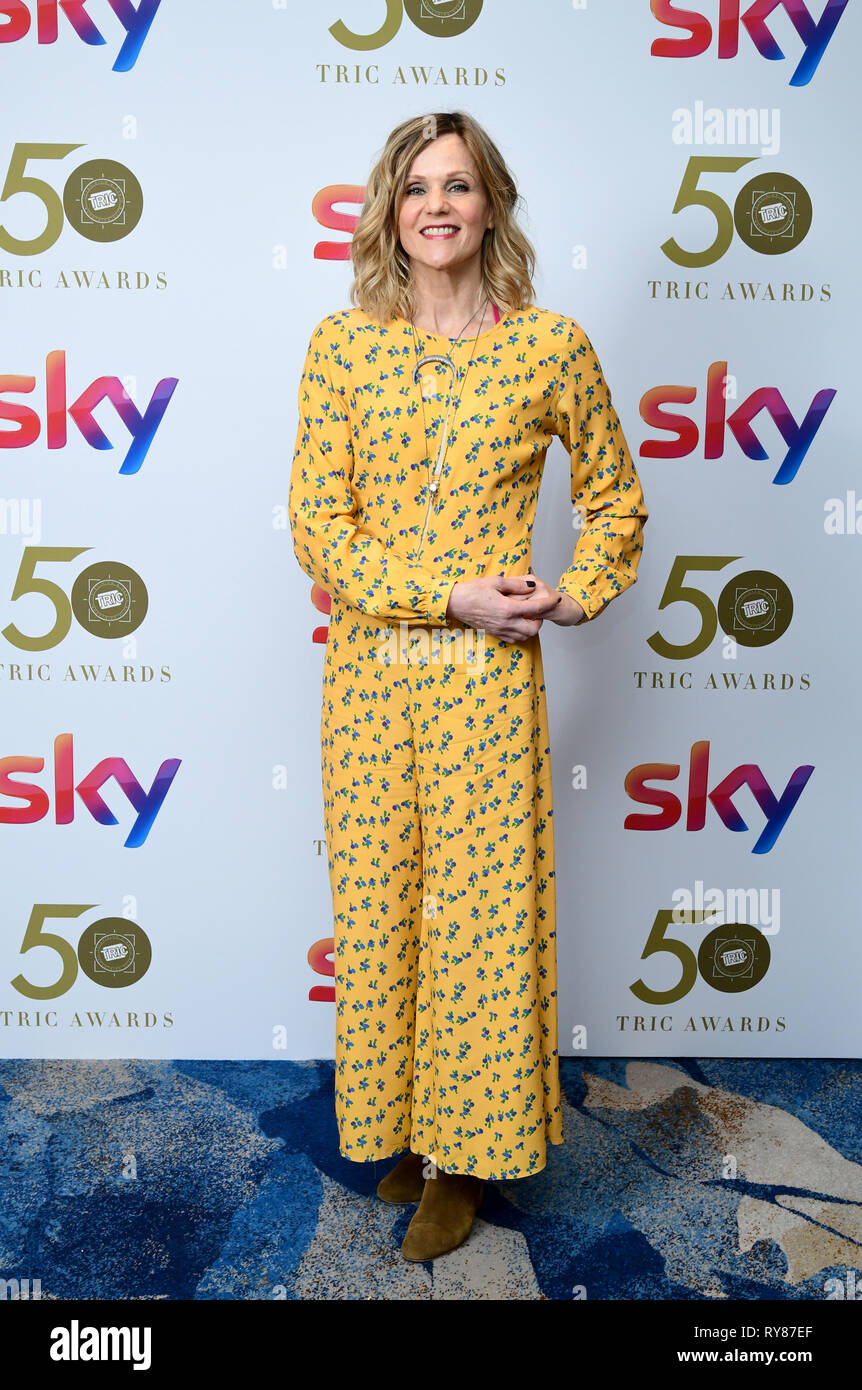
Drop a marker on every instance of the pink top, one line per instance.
(496, 320)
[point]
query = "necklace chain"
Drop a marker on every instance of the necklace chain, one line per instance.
(457, 339)
(446, 360)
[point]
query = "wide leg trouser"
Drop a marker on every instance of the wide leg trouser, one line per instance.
(438, 813)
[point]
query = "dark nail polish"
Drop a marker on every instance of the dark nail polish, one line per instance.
(531, 583)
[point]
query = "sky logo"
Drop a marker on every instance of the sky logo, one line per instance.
(775, 809)
(28, 427)
(798, 437)
(16, 21)
(146, 804)
(815, 34)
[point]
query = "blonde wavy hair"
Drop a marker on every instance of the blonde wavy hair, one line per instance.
(382, 283)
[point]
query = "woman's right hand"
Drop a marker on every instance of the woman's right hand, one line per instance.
(510, 606)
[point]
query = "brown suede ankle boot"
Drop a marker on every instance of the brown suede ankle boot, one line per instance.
(445, 1215)
(405, 1182)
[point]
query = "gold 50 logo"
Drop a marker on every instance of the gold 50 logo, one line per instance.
(108, 598)
(101, 199)
(754, 608)
(113, 952)
(771, 213)
(443, 19)
(733, 957)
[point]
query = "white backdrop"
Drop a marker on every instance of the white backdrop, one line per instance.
(240, 123)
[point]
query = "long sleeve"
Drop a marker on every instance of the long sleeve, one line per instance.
(324, 509)
(605, 486)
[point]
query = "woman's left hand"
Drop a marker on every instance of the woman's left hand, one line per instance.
(567, 613)
(550, 604)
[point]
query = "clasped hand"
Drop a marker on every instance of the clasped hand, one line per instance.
(511, 606)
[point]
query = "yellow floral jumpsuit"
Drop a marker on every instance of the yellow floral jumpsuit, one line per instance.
(434, 738)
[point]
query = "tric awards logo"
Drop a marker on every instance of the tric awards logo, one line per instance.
(101, 200)
(114, 952)
(754, 608)
(443, 19)
(771, 213)
(732, 957)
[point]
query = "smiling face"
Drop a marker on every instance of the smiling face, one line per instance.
(445, 208)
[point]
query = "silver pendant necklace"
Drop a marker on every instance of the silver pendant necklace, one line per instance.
(446, 361)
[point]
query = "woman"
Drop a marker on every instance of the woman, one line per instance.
(425, 415)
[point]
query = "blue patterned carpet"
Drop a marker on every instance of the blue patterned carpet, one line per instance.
(222, 1180)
